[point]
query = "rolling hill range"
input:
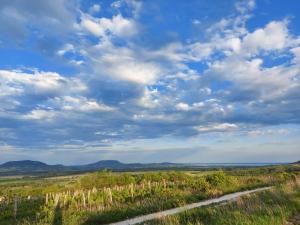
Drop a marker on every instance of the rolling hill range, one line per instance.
(29, 167)
(35, 167)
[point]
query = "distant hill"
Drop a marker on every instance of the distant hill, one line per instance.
(104, 164)
(28, 167)
(33, 167)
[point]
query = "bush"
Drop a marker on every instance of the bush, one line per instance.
(216, 179)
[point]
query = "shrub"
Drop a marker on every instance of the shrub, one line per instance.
(216, 179)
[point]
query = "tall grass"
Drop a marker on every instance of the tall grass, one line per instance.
(104, 197)
(272, 207)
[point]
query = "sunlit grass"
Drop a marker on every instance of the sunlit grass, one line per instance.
(272, 207)
(104, 197)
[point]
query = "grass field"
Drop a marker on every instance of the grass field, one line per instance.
(274, 207)
(103, 197)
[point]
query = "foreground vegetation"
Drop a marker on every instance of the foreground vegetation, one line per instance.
(104, 197)
(274, 207)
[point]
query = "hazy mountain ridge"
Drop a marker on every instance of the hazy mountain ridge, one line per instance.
(29, 166)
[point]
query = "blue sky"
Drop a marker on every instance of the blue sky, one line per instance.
(150, 81)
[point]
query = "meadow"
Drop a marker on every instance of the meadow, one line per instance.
(103, 197)
(278, 206)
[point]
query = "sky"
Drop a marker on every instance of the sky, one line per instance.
(150, 81)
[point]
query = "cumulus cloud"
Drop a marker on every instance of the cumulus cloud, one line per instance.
(82, 104)
(273, 37)
(37, 82)
(123, 63)
(251, 75)
(114, 85)
(118, 25)
(182, 106)
(129, 68)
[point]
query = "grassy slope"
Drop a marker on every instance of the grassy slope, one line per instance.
(267, 208)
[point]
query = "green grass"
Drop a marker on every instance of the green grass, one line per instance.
(272, 207)
(168, 190)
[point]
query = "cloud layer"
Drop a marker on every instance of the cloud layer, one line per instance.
(101, 75)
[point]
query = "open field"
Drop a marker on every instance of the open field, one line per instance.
(104, 197)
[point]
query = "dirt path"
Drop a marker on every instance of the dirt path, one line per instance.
(157, 215)
(295, 220)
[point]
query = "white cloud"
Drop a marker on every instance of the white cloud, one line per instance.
(182, 106)
(155, 117)
(123, 63)
(268, 132)
(245, 6)
(77, 62)
(80, 104)
(251, 75)
(177, 52)
(92, 26)
(217, 127)
(149, 98)
(172, 51)
(196, 22)
(38, 82)
(206, 107)
(164, 90)
(120, 63)
(131, 69)
(67, 48)
(116, 4)
(273, 37)
(199, 51)
(296, 52)
(233, 43)
(95, 8)
(118, 25)
(59, 107)
(39, 114)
